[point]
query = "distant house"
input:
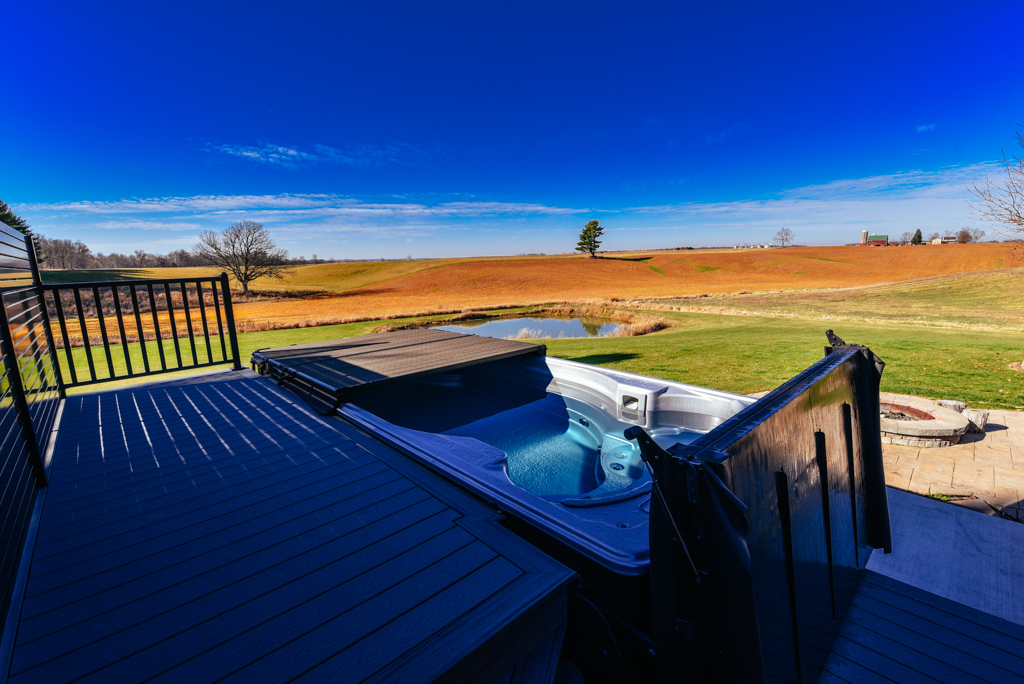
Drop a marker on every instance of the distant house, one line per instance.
(876, 241)
(948, 240)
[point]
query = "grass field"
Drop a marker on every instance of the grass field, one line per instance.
(984, 300)
(353, 291)
(748, 354)
(945, 318)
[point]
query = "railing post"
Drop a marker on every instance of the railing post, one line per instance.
(37, 282)
(229, 315)
(18, 398)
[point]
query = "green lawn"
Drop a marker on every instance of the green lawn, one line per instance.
(750, 353)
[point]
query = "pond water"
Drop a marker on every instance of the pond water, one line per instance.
(535, 328)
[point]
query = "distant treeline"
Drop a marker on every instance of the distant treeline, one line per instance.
(66, 255)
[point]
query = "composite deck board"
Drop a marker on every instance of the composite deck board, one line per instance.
(106, 584)
(216, 528)
(152, 501)
(246, 504)
(175, 492)
(896, 632)
(193, 520)
(339, 366)
(172, 474)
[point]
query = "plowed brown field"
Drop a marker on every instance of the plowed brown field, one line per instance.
(492, 282)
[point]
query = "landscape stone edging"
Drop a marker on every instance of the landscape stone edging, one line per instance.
(904, 440)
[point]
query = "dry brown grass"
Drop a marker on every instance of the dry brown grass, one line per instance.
(347, 293)
(497, 283)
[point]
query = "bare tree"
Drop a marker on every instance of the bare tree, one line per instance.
(179, 258)
(784, 237)
(65, 254)
(143, 258)
(245, 250)
(906, 237)
(1002, 202)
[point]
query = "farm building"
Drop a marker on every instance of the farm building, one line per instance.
(875, 241)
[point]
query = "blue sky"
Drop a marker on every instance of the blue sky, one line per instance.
(435, 129)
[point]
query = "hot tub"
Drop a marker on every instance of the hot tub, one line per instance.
(542, 438)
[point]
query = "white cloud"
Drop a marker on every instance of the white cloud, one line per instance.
(296, 219)
(197, 204)
(925, 127)
(293, 157)
(267, 154)
(831, 212)
(827, 213)
(139, 224)
(295, 206)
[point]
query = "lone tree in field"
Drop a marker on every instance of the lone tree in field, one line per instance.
(784, 237)
(589, 241)
(244, 250)
(1002, 202)
(917, 239)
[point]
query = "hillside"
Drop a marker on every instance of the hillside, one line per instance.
(353, 290)
(978, 300)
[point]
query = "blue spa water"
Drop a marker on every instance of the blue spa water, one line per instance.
(551, 452)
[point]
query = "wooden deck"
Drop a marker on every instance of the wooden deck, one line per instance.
(215, 529)
(895, 632)
(328, 370)
(957, 553)
(944, 606)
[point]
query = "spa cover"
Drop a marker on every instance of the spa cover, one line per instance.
(326, 371)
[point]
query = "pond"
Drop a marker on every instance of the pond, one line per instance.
(529, 328)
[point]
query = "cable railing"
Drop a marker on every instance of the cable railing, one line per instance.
(131, 328)
(31, 392)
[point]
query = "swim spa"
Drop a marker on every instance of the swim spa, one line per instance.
(776, 502)
(542, 438)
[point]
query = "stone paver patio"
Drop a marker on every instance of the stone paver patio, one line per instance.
(989, 466)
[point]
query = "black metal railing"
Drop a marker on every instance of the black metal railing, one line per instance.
(132, 328)
(107, 331)
(31, 392)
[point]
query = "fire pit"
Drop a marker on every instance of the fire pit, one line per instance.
(917, 422)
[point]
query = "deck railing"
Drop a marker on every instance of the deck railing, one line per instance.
(133, 328)
(151, 321)
(31, 391)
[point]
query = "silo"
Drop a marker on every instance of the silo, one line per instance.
(863, 237)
